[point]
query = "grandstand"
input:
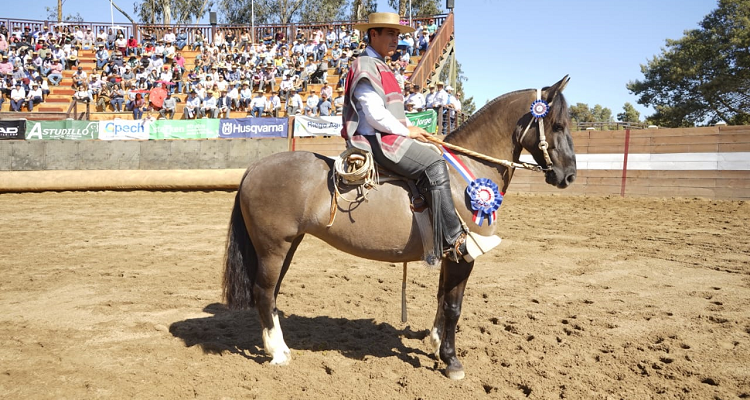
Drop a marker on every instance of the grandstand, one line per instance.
(59, 104)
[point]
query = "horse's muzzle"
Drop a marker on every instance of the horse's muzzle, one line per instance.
(560, 179)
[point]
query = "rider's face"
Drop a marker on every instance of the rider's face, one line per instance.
(385, 41)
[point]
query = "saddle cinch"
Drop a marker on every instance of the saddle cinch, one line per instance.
(357, 168)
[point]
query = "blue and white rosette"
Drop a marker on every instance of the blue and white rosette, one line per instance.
(485, 199)
(539, 108)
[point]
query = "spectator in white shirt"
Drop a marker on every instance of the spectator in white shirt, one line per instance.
(311, 106)
(441, 97)
(34, 96)
(246, 96)
(209, 106)
(234, 98)
(192, 106)
(258, 104)
(17, 97)
(294, 105)
(169, 37)
(417, 98)
(285, 87)
(274, 104)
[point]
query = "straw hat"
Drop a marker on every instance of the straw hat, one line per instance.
(383, 20)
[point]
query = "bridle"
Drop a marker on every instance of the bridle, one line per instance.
(539, 110)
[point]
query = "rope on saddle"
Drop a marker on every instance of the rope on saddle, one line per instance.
(354, 167)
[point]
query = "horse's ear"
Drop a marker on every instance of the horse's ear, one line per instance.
(552, 91)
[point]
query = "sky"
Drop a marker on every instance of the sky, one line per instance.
(507, 45)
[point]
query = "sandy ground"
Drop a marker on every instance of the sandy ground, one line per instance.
(117, 295)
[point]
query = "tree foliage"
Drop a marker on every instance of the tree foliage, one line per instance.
(52, 15)
(704, 77)
(580, 112)
(360, 9)
(467, 103)
(419, 8)
(629, 114)
(171, 11)
(321, 11)
(286, 11)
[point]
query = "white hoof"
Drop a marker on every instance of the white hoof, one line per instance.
(282, 358)
(273, 344)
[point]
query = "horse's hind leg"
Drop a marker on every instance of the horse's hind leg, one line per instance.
(273, 263)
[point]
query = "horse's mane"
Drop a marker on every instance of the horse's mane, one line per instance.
(558, 110)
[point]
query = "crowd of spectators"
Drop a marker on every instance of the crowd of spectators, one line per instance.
(229, 73)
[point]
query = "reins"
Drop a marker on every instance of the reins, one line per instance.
(539, 109)
(471, 153)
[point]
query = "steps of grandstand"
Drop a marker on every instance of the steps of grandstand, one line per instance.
(60, 97)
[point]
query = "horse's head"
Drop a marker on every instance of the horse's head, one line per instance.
(548, 139)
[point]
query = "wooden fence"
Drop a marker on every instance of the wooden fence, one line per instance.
(711, 162)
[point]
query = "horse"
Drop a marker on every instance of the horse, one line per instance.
(286, 196)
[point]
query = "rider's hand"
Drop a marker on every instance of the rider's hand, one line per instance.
(418, 133)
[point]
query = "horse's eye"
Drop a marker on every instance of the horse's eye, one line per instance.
(557, 127)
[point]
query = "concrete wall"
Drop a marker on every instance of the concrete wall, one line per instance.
(40, 155)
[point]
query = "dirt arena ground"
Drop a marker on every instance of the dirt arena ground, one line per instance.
(117, 295)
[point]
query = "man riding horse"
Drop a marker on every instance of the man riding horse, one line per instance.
(374, 120)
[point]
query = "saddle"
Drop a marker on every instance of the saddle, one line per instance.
(357, 168)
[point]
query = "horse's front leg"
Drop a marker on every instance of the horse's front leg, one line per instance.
(438, 326)
(455, 276)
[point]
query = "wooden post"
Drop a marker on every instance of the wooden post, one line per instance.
(625, 163)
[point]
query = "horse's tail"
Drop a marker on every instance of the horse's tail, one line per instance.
(241, 262)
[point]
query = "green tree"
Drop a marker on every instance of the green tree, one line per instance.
(171, 11)
(704, 77)
(419, 8)
(467, 103)
(286, 11)
(362, 8)
(323, 11)
(580, 112)
(629, 114)
(602, 114)
(52, 16)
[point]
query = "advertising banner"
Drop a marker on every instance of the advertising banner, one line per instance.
(13, 129)
(205, 128)
(317, 126)
(426, 120)
(62, 130)
(254, 128)
(122, 129)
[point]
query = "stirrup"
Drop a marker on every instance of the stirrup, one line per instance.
(458, 250)
(477, 245)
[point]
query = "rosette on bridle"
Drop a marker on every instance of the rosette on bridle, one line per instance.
(539, 108)
(485, 199)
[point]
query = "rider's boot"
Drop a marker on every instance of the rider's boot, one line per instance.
(449, 236)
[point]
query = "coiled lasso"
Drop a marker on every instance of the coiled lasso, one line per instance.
(354, 167)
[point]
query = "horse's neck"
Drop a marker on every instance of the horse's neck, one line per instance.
(489, 134)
